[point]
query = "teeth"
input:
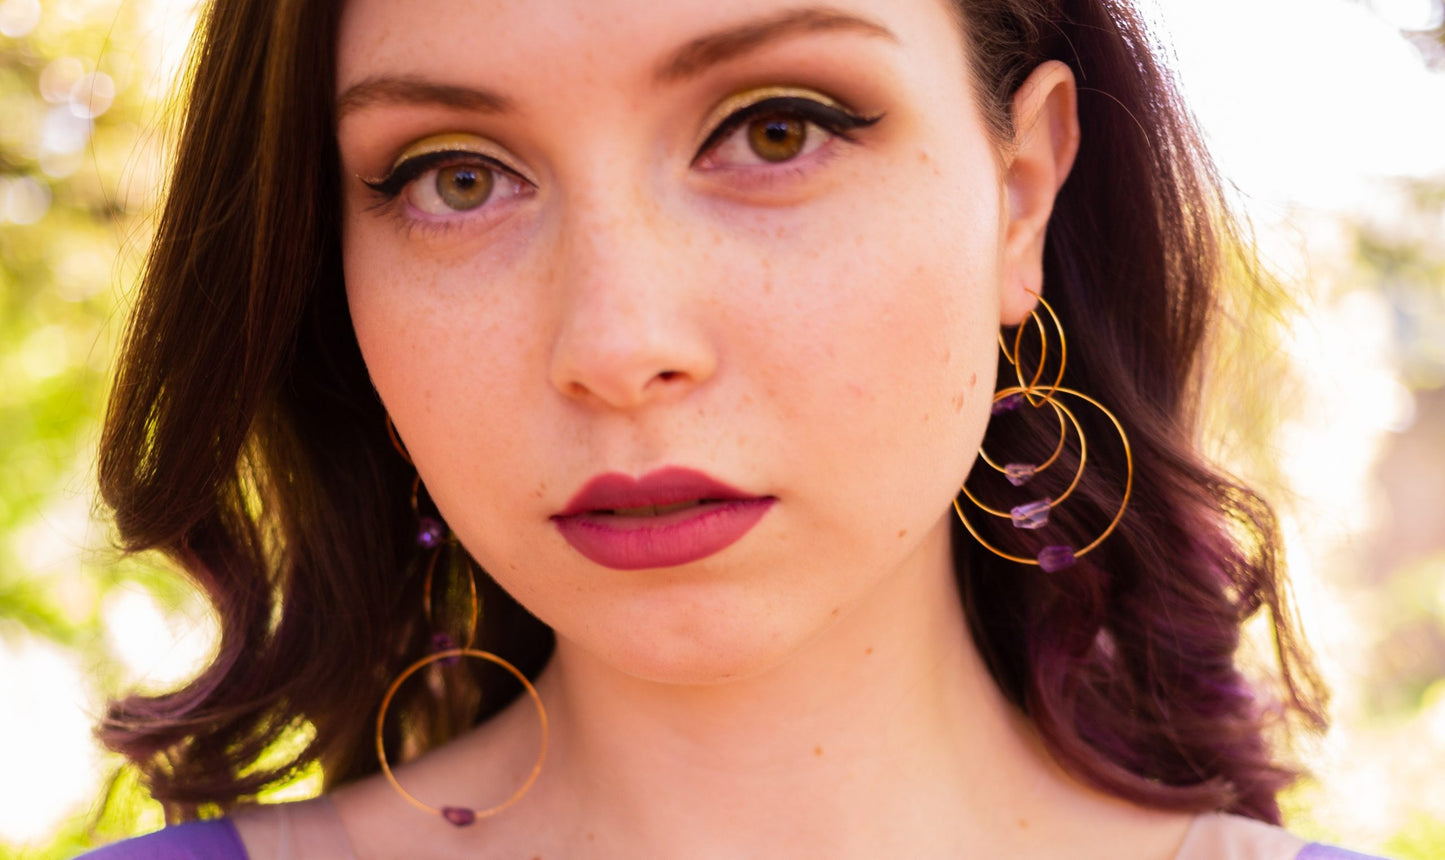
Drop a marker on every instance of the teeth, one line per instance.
(653, 510)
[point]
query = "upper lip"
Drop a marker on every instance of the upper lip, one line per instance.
(668, 486)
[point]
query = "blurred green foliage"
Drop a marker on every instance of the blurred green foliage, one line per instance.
(78, 174)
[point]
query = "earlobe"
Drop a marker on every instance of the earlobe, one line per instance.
(1038, 160)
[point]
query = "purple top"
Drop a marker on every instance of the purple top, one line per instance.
(217, 840)
(1316, 851)
(194, 840)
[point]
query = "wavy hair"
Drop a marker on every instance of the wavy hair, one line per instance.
(244, 441)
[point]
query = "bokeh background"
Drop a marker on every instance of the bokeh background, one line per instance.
(1327, 118)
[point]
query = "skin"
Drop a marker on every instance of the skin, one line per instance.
(811, 691)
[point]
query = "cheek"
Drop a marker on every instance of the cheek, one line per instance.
(439, 348)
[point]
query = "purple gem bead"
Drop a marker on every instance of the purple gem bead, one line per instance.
(429, 533)
(1008, 404)
(443, 642)
(1019, 474)
(459, 815)
(1053, 559)
(1034, 515)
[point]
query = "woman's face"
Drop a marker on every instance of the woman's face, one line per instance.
(617, 239)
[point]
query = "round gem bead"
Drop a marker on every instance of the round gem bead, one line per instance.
(459, 815)
(429, 533)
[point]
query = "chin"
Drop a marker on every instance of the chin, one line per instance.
(720, 649)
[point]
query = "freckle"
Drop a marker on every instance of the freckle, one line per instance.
(835, 613)
(958, 403)
(817, 751)
(902, 532)
(973, 379)
(591, 837)
(1024, 825)
(868, 651)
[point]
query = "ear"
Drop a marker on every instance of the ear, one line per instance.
(1035, 165)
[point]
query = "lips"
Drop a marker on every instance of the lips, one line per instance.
(665, 518)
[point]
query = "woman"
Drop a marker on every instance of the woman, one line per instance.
(682, 321)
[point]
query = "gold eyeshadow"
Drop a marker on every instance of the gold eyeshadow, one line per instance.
(736, 102)
(449, 142)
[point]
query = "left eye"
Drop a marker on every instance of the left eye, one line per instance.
(777, 130)
(771, 139)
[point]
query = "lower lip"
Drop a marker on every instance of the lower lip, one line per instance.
(670, 540)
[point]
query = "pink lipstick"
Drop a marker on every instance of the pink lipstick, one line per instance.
(665, 518)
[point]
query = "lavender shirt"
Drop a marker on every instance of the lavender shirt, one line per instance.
(217, 840)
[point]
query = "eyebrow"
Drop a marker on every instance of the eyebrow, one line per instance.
(406, 89)
(688, 61)
(714, 48)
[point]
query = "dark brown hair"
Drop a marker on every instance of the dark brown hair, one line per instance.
(244, 440)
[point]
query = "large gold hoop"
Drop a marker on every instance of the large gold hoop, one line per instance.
(1056, 557)
(460, 816)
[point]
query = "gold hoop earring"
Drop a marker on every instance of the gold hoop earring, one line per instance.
(448, 647)
(1034, 514)
(461, 816)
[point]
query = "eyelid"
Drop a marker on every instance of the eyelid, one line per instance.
(747, 98)
(833, 116)
(416, 155)
(750, 97)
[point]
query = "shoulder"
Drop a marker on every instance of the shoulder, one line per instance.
(1232, 837)
(196, 840)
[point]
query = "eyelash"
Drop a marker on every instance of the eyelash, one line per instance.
(835, 121)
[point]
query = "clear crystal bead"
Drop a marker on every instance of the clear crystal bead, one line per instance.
(1019, 474)
(1034, 515)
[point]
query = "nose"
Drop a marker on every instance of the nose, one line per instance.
(632, 322)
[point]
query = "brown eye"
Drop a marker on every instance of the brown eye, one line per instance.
(777, 138)
(464, 186)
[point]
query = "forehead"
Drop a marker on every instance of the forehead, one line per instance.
(544, 44)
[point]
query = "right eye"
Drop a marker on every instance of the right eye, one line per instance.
(456, 188)
(444, 182)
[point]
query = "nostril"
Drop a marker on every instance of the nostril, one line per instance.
(669, 375)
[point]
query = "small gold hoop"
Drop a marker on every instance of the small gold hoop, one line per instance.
(450, 545)
(1013, 357)
(1030, 388)
(1078, 474)
(400, 448)
(1118, 515)
(460, 816)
